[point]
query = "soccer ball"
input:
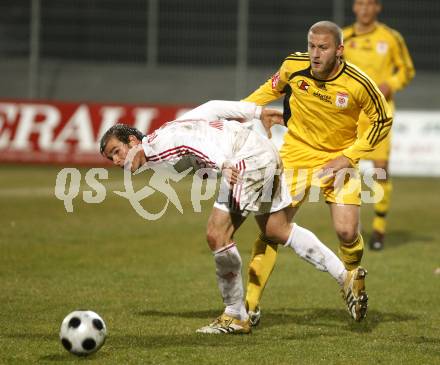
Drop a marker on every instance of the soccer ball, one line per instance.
(83, 332)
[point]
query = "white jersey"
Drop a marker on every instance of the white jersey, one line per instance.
(202, 137)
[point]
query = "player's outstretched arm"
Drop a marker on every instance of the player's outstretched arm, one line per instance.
(222, 109)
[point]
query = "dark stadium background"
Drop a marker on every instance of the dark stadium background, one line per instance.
(183, 51)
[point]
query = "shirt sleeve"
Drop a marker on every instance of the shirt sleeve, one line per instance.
(402, 62)
(373, 103)
(221, 109)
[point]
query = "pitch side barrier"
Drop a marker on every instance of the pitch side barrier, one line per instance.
(67, 133)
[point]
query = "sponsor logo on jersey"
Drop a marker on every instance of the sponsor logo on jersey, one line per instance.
(275, 80)
(303, 85)
(382, 47)
(323, 97)
(341, 100)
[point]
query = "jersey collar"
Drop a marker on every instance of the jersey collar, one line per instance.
(340, 71)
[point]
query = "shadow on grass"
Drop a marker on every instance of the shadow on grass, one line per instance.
(425, 340)
(66, 357)
(198, 340)
(301, 325)
(62, 357)
(311, 317)
(32, 336)
(208, 314)
(194, 340)
(395, 239)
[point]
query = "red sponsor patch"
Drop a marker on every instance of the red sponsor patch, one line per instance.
(275, 80)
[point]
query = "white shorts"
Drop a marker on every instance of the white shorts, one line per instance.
(262, 188)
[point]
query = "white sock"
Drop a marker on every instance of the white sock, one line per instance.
(311, 249)
(228, 270)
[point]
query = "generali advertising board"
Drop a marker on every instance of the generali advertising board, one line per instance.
(68, 133)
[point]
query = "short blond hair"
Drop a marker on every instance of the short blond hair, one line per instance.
(328, 27)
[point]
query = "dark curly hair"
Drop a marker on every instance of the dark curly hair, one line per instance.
(121, 132)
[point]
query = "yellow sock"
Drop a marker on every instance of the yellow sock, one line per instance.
(264, 255)
(382, 206)
(351, 255)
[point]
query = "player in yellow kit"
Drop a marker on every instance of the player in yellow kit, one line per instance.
(323, 97)
(381, 53)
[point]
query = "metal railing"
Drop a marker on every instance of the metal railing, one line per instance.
(236, 34)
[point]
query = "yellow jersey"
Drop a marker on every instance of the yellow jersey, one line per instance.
(321, 115)
(382, 54)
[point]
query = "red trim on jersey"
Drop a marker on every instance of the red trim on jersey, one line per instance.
(236, 192)
(218, 124)
(180, 151)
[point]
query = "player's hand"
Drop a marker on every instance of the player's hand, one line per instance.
(231, 173)
(386, 90)
(269, 117)
(330, 169)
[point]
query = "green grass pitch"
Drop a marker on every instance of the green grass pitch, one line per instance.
(153, 282)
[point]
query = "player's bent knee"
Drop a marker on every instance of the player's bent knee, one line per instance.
(275, 236)
(277, 232)
(214, 239)
(347, 236)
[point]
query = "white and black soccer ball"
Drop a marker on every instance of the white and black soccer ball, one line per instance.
(83, 332)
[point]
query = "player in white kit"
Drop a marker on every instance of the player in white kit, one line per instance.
(252, 181)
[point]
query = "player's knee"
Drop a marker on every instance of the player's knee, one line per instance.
(273, 235)
(278, 233)
(213, 239)
(347, 235)
(216, 238)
